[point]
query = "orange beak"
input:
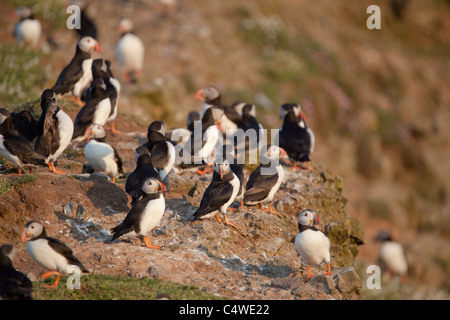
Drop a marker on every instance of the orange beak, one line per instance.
(282, 152)
(163, 187)
(316, 220)
(219, 125)
(97, 48)
(221, 172)
(199, 95)
(25, 236)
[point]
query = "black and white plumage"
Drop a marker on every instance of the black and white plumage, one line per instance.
(144, 169)
(97, 109)
(391, 256)
(102, 157)
(229, 153)
(201, 147)
(76, 77)
(50, 253)
(55, 132)
(266, 179)
(211, 96)
(129, 51)
(250, 137)
(220, 193)
(161, 149)
(101, 69)
(16, 148)
(311, 243)
(294, 136)
(145, 214)
(28, 30)
(14, 285)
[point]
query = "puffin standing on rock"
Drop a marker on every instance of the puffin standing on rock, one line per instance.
(294, 136)
(144, 169)
(145, 214)
(266, 179)
(55, 130)
(220, 194)
(77, 75)
(161, 149)
(391, 257)
(100, 155)
(311, 243)
(50, 253)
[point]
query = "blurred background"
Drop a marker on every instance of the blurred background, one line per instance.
(377, 100)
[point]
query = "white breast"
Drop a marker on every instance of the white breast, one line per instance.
(129, 52)
(65, 126)
(43, 254)
(152, 214)
(28, 32)
(166, 170)
(277, 185)
(85, 80)
(211, 137)
(236, 184)
(313, 247)
(101, 157)
(392, 254)
(102, 111)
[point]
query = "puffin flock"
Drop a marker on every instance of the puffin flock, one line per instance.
(29, 143)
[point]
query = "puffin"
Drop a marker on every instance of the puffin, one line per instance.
(296, 139)
(251, 129)
(97, 109)
(144, 169)
(55, 132)
(228, 153)
(76, 77)
(14, 285)
(129, 51)
(16, 148)
(161, 149)
(391, 256)
(266, 179)
(145, 214)
(101, 68)
(201, 146)
(51, 253)
(28, 29)
(100, 155)
(220, 193)
(211, 96)
(311, 243)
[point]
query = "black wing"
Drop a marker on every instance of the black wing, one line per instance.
(296, 141)
(216, 195)
(20, 147)
(65, 251)
(68, 77)
(259, 185)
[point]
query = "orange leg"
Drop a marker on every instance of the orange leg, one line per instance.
(271, 209)
(201, 172)
(113, 179)
(218, 218)
(49, 274)
(20, 172)
(242, 208)
(151, 246)
(305, 279)
(308, 166)
(53, 169)
(76, 100)
(230, 223)
(328, 273)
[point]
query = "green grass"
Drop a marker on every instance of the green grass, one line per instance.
(104, 287)
(13, 182)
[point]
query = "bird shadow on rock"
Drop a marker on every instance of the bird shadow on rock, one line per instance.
(108, 197)
(236, 264)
